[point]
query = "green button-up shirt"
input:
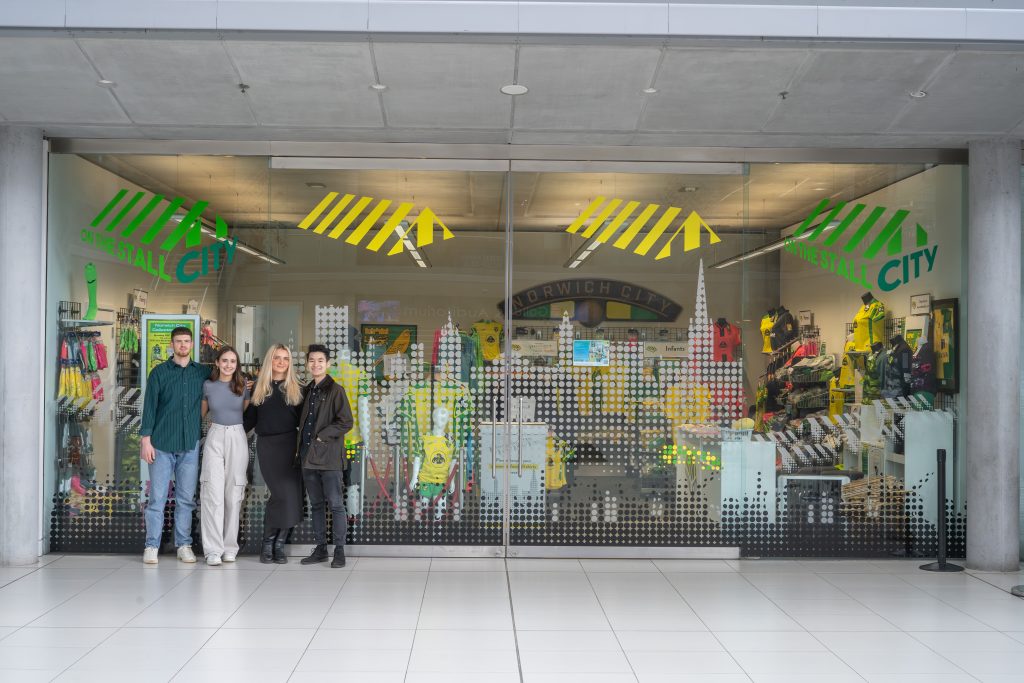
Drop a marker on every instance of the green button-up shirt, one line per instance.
(171, 409)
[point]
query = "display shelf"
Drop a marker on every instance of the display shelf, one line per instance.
(74, 324)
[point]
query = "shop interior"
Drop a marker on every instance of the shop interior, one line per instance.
(759, 383)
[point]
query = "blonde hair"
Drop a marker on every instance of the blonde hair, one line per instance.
(291, 388)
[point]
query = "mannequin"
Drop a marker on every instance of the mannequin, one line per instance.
(767, 320)
(873, 367)
(433, 470)
(923, 381)
(897, 369)
(784, 329)
(851, 361)
(868, 323)
(726, 341)
(357, 389)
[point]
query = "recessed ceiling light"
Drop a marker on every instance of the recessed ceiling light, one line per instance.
(514, 89)
(106, 83)
(379, 87)
(649, 91)
(689, 188)
(316, 186)
(918, 94)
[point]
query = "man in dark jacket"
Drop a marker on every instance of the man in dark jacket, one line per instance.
(326, 418)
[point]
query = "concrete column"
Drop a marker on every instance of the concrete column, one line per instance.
(21, 344)
(992, 376)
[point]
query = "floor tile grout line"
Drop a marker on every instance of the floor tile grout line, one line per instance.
(839, 588)
(347, 576)
(218, 629)
(116, 629)
(512, 611)
(416, 627)
(615, 633)
(807, 630)
(701, 620)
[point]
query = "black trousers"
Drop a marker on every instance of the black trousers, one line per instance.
(325, 487)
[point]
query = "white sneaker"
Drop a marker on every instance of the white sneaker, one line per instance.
(150, 556)
(213, 560)
(185, 554)
(228, 557)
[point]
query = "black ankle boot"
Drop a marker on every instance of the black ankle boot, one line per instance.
(339, 557)
(319, 554)
(279, 556)
(267, 552)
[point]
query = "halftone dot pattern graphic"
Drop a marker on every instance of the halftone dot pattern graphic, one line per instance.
(624, 454)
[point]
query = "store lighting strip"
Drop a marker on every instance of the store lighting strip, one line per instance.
(242, 246)
(768, 248)
(403, 231)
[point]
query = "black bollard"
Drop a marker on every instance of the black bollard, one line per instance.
(941, 565)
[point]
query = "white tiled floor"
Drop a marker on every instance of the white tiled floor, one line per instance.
(88, 618)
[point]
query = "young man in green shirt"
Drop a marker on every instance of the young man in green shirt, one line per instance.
(171, 422)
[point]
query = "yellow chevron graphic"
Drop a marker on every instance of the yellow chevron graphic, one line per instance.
(343, 213)
(691, 227)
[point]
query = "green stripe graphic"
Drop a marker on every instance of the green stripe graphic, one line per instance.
(189, 228)
(828, 219)
(124, 212)
(807, 221)
(891, 233)
(864, 229)
(106, 209)
(146, 210)
(155, 229)
(841, 228)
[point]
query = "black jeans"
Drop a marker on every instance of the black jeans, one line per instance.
(324, 487)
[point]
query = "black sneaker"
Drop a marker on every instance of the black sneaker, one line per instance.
(319, 554)
(339, 557)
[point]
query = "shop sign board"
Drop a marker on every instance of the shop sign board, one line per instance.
(124, 237)
(665, 349)
(846, 251)
(156, 339)
(660, 306)
(535, 347)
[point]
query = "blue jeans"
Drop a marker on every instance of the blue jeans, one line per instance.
(184, 465)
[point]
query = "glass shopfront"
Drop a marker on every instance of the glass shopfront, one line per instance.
(539, 355)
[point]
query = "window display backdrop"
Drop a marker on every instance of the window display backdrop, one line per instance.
(401, 273)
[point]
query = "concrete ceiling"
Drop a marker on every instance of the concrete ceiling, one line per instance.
(247, 192)
(735, 94)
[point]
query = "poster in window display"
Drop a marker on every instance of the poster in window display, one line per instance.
(590, 352)
(385, 343)
(156, 339)
(946, 343)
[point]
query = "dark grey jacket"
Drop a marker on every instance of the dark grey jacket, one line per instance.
(333, 422)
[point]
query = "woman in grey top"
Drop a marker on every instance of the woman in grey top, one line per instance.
(225, 458)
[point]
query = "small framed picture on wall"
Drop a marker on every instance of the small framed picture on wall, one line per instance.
(920, 304)
(946, 343)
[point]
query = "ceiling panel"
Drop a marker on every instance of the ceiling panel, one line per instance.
(851, 91)
(718, 89)
(975, 92)
(172, 81)
(309, 84)
(583, 88)
(445, 85)
(49, 79)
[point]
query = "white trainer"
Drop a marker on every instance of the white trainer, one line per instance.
(213, 560)
(228, 557)
(185, 554)
(150, 556)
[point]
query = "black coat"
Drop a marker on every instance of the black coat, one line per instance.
(333, 422)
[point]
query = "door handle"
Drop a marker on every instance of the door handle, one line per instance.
(494, 432)
(519, 447)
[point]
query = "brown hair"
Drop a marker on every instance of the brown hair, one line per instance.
(238, 379)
